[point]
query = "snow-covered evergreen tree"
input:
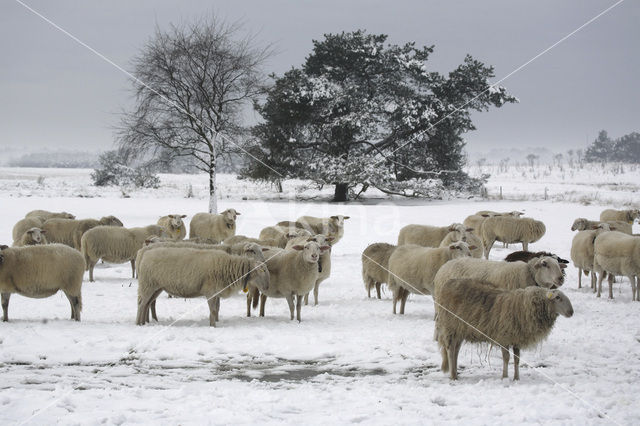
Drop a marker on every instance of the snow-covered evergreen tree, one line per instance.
(360, 112)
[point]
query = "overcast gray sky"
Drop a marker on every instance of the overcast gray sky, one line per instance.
(55, 93)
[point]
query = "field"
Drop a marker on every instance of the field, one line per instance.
(350, 360)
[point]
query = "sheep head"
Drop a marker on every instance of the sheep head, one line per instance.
(176, 220)
(460, 249)
(580, 224)
(547, 272)
(632, 215)
(311, 251)
(338, 220)
(258, 275)
(561, 303)
(230, 217)
(36, 234)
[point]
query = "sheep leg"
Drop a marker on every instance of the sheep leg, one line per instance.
(487, 248)
(143, 307)
(5, 306)
(133, 268)
(505, 363)
(249, 300)
(263, 301)
(255, 297)
(306, 299)
(152, 306)
(91, 265)
(525, 246)
(611, 277)
(290, 302)
(600, 277)
(637, 289)
(315, 294)
(445, 359)
(298, 307)
(579, 278)
(594, 280)
(516, 363)
(217, 311)
(369, 290)
(396, 294)
(452, 353)
(378, 285)
(211, 301)
(74, 302)
(405, 295)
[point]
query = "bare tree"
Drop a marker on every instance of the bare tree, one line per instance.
(193, 81)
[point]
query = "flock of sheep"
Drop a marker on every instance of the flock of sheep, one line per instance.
(510, 303)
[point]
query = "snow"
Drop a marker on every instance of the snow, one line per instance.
(350, 360)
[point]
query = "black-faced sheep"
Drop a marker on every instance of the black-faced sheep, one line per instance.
(617, 254)
(475, 311)
(509, 230)
(187, 272)
(115, 244)
(40, 271)
(174, 226)
(214, 226)
(375, 266)
(412, 268)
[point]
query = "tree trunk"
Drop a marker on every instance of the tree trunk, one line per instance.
(213, 190)
(341, 193)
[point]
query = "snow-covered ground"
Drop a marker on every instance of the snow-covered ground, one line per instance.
(350, 360)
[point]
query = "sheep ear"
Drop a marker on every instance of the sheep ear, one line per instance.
(485, 215)
(333, 217)
(183, 216)
(469, 229)
(298, 247)
(2, 247)
(472, 247)
(347, 217)
(238, 213)
(42, 231)
(562, 265)
(324, 248)
(265, 249)
(330, 238)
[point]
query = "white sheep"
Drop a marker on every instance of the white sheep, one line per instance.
(583, 224)
(332, 226)
(615, 253)
(427, 236)
(468, 237)
(69, 231)
(508, 229)
(627, 216)
(412, 268)
(84, 225)
(540, 271)
(23, 225)
(115, 244)
(188, 272)
(279, 236)
(375, 266)
(582, 252)
(324, 263)
(174, 226)
(32, 237)
(294, 273)
(46, 215)
(490, 213)
(40, 271)
(214, 226)
(476, 311)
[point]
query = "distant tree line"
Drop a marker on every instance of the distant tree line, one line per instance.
(56, 159)
(625, 149)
